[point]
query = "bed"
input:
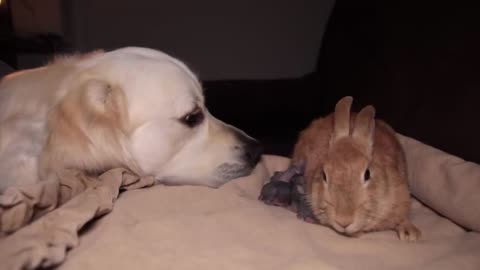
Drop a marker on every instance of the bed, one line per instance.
(158, 227)
(184, 227)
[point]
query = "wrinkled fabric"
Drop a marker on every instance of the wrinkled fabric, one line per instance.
(229, 228)
(444, 182)
(45, 242)
(186, 227)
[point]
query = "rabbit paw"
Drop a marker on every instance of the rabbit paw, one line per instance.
(304, 211)
(306, 215)
(408, 232)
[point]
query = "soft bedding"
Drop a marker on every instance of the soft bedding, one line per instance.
(186, 227)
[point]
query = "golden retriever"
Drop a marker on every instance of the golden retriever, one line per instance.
(133, 107)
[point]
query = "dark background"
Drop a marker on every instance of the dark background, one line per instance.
(274, 67)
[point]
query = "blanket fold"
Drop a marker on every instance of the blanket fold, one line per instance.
(196, 221)
(444, 182)
(45, 242)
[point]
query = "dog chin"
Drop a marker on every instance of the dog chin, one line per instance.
(222, 174)
(229, 171)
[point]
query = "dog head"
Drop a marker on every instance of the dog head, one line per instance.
(145, 110)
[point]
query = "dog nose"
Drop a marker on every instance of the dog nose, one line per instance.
(253, 151)
(250, 149)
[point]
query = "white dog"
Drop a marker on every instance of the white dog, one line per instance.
(135, 108)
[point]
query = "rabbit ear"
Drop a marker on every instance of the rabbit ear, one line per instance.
(341, 118)
(364, 127)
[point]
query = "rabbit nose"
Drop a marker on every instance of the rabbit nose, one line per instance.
(344, 221)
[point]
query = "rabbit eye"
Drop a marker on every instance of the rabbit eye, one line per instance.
(366, 176)
(324, 176)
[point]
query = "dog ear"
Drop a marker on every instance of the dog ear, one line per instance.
(105, 100)
(98, 94)
(87, 129)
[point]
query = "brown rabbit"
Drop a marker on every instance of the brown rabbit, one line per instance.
(355, 173)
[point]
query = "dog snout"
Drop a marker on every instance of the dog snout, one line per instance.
(253, 151)
(250, 149)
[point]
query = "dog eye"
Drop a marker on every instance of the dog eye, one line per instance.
(366, 175)
(193, 119)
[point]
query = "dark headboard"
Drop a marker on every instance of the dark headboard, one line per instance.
(417, 62)
(5, 69)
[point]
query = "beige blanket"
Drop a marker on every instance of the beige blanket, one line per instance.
(228, 228)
